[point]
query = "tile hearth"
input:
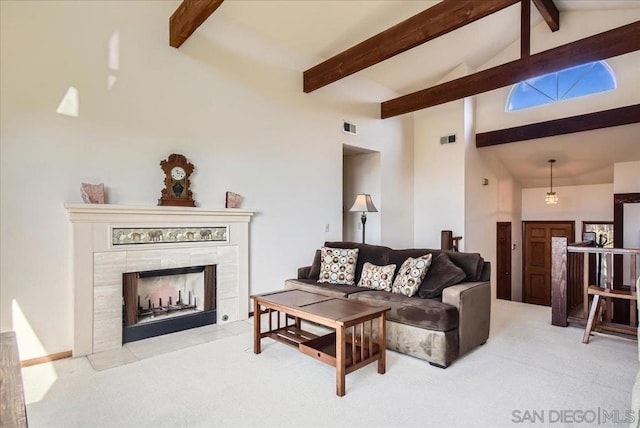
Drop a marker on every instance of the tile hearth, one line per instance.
(147, 348)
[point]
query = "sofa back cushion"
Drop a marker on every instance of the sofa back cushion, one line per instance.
(375, 254)
(314, 273)
(470, 263)
(442, 273)
(399, 256)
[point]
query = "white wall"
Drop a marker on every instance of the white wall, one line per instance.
(439, 170)
(449, 189)
(438, 174)
(626, 177)
(481, 201)
(397, 196)
(228, 99)
(361, 175)
(577, 203)
(448, 184)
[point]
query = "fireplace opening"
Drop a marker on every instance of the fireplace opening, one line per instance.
(165, 301)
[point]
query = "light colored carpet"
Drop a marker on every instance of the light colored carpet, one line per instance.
(527, 367)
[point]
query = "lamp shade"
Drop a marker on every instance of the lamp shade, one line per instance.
(364, 203)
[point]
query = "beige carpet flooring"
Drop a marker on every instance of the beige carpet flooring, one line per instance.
(529, 373)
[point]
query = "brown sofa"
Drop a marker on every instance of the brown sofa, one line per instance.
(437, 329)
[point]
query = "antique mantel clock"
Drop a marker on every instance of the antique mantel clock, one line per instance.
(176, 190)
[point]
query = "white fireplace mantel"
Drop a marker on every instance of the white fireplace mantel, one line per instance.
(82, 213)
(98, 263)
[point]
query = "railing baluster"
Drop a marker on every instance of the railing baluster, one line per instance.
(608, 281)
(585, 286)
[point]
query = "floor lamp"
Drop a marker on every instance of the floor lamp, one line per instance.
(363, 204)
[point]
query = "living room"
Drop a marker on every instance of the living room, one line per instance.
(92, 92)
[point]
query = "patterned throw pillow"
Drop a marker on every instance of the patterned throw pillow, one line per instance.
(410, 275)
(338, 265)
(377, 277)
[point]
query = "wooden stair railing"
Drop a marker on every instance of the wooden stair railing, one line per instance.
(571, 291)
(599, 294)
(448, 241)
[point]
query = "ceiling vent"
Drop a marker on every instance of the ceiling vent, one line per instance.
(448, 139)
(349, 128)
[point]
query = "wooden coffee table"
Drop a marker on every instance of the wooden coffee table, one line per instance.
(348, 348)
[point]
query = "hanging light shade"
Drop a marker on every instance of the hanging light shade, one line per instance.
(551, 198)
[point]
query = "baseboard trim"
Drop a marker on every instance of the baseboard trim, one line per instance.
(45, 359)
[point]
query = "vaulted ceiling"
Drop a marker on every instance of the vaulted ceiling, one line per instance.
(320, 29)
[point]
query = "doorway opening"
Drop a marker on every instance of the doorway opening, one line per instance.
(503, 260)
(360, 174)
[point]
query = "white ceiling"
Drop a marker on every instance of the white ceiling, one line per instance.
(320, 29)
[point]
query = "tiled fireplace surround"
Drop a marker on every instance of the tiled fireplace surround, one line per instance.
(98, 264)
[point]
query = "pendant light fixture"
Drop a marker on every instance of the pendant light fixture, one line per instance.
(551, 198)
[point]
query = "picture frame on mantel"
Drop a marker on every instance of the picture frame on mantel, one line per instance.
(232, 200)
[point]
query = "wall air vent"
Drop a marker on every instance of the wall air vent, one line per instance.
(349, 128)
(448, 139)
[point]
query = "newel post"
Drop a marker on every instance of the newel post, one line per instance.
(559, 281)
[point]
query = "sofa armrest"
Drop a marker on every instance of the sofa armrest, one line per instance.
(303, 272)
(473, 300)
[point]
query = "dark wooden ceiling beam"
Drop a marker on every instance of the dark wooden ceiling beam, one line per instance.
(189, 16)
(549, 13)
(439, 19)
(585, 122)
(611, 43)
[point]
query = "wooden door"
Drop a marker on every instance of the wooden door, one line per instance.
(503, 260)
(536, 257)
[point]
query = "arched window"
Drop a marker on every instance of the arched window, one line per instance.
(572, 82)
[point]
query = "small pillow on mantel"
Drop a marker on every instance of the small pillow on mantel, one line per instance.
(338, 265)
(410, 275)
(377, 277)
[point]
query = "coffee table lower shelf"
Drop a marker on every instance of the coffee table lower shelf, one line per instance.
(323, 348)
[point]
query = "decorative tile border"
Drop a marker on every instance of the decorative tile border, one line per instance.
(168, 235)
